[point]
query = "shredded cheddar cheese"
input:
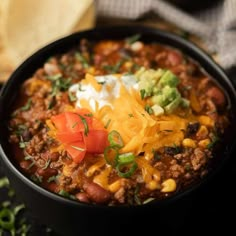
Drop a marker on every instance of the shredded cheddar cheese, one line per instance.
(141, 132)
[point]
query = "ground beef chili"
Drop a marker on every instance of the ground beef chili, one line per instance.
(167, 170)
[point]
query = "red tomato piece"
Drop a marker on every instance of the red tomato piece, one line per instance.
(77, 122)
(76, 150)
(96, 141)
(67, 137)
(80, 133)
(60, 122)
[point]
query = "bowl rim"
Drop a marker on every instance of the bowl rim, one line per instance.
(132, 29)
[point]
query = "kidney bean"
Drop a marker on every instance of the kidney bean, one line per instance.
(54, 156)
(82, 197)
(192, 128)
(96, 193)
(51, 69)
(27, 166)
(52, 187)
(174, 58)
(26, 135)
(46, 173)
(216, 96)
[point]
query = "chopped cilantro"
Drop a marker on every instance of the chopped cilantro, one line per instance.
(71, 96)
(112, 69)
(82, 60)
(107, 124)
(132, 39)
(142, 93)
(148, 109)
(213, 142)
(66, 194)
(27, 106)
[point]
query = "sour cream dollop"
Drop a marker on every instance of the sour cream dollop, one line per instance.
(110, 89)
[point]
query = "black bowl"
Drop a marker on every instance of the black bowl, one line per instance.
(72, 218)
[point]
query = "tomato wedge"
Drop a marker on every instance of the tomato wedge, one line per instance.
(68, 137)
(77, 122)
(76, 150)
(96, 141)
(80, 132)
(60, 122)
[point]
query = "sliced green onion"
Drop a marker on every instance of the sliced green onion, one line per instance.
(86, 128)
(18, 208)
(126, 158)
(11, 192)
(115, 139)
(6, 204)
(4, 182)
(128, 173)
(7, 219)
(114, 153)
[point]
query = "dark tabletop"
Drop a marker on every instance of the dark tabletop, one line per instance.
(211, 208)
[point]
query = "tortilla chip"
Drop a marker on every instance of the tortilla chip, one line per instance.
(26, 26)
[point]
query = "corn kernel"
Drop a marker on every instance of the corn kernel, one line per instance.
(187, 142)
(128, 65)
(203, 143)
(136, 46)
(202, 132)
(157, 176)
(206, 120)
(115, 186)
(152, 185)
(91, 70)
(168, 185)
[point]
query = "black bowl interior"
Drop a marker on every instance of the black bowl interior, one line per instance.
(25, 70)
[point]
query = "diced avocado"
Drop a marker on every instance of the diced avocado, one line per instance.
(160, 100)
(166, 96)
(170, 93)
(157, 110)
(168, 78)
(147, 86)
(161, 86)
(150, 74)
(157, 91)
(148, 79)
(173, 105)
